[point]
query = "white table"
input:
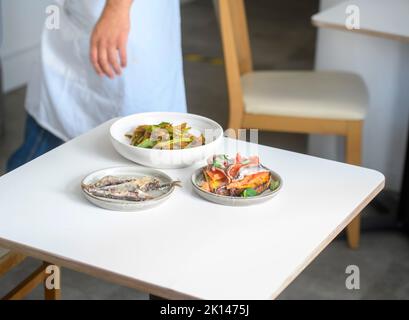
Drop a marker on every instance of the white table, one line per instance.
(381, 18)
(379, 53)
(187, 247)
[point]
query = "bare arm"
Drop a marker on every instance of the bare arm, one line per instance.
(110, 37)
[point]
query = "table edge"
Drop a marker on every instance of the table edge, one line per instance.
(329, 239)
(169, 293)
(96, 272)
(386, 35)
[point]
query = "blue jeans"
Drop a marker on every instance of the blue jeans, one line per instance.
(37, 141)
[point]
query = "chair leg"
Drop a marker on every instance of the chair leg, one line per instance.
(52, 282)
(353, 156)
(25, 287)
(353, 232)
(9, 261)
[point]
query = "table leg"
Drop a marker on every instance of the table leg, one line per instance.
(28, 285)
(403, 209)
(2, 112)
(52, 282)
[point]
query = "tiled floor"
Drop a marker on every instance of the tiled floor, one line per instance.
(282, 38)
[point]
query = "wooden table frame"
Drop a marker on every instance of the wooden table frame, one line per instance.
(11, 260)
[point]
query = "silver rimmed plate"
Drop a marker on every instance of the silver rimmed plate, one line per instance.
(128, 172)
(197, 179)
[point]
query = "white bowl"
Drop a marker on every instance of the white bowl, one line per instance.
(166, 159)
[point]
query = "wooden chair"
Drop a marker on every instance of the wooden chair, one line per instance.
(308, 102)
(8, 260)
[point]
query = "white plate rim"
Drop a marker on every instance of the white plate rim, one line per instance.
(127, 202)
(260, 197)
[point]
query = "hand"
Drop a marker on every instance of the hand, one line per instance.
(110, 37)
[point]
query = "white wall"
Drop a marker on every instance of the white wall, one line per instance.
(384, 66)
(22, 22)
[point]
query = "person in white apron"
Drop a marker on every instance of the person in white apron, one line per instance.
(108, 58)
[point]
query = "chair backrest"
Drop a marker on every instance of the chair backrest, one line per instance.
(237, 53)
(239, 32)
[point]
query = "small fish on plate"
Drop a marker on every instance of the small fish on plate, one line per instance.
(128, 188)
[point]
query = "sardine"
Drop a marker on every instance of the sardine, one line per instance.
(110, 181)
(123, 194)
(143, 184)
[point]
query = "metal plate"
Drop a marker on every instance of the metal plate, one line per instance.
(123, 205)
(197, 177)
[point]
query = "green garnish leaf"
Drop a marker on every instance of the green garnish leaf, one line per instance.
(274, 185)
(147, 143)
(250, 192)
(164, 124)
(217, 165)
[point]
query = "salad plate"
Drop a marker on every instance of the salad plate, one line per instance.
(236, 181)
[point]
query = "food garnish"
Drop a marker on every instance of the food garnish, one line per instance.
(165, 136)
(237, 177)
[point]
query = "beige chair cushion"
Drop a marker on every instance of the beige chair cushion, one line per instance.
(3, 252)
(309, 94)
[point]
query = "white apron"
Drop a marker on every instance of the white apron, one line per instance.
(68, 98)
